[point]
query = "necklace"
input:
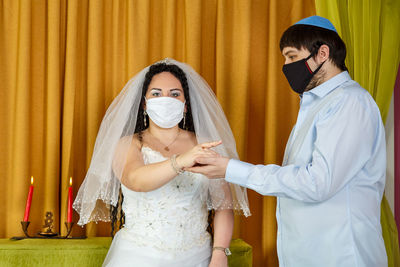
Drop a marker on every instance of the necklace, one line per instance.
(166, 147)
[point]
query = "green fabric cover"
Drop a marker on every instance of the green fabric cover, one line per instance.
(83, 252)
(242, 254)
(57, 252)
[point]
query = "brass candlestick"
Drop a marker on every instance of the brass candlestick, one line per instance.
(48, 224)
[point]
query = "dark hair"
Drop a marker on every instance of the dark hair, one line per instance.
(311, 38)
(117, 215)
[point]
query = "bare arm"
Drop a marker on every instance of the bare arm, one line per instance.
(143, 178)
(223, 228)
(133, 171)
(148, 177)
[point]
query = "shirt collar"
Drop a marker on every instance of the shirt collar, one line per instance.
(326, 87)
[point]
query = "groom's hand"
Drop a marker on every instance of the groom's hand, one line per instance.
(212, 167)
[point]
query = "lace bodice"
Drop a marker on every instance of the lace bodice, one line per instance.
(172, 217)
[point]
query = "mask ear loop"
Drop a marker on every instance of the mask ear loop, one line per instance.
(313, 53)
(314, 50)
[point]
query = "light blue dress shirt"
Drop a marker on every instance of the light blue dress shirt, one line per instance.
(329, 193)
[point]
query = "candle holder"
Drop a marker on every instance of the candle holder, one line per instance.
(69, 228)
(25, 227)
(48, 232)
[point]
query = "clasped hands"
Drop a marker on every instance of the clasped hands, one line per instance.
(201, 159)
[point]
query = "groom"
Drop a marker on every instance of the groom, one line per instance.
(330, 185)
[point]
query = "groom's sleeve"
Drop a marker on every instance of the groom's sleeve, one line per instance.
(255, 177)
(345, 141)
(260, 178)
(237, 172)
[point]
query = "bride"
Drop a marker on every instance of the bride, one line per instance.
(161, 121)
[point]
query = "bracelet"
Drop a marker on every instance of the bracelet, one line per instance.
(175, 165)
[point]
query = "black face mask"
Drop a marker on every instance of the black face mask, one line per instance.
(299, 74)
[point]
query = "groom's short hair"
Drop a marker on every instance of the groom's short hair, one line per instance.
(311, 38)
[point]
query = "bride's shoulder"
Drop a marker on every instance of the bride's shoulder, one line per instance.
(129, 141)
(127, 150)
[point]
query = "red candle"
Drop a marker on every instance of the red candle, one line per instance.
(69, 215)
(28, 202)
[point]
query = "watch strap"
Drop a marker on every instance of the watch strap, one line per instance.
(225, 250)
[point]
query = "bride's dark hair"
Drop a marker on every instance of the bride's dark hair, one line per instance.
(117, 214)
(181, 76)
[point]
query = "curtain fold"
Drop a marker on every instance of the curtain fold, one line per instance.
(370, 31)
(63, 62)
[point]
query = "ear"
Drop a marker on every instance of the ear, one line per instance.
(323, 54)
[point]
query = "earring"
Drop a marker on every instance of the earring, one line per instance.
(184, 121)
(144, 118)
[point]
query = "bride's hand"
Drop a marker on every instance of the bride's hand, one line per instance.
(188, 159)
(218, 260)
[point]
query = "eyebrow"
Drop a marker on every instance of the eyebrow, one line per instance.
(288, 52)
(173, 89)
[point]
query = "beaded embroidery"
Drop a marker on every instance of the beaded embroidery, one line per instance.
(171, 218)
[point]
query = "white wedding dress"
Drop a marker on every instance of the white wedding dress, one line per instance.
(165, 227)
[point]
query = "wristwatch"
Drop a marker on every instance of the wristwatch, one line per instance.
(227, 251)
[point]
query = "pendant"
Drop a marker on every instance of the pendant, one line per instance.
(166, 148)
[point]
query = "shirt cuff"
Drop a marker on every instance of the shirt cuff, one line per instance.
(237, 172)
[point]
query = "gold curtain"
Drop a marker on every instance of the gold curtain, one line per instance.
(62, 63)
(370, 31)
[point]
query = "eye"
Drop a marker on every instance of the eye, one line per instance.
(292, 57)
(175, 94)
(155, 93)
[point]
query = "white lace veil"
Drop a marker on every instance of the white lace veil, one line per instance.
(100, 189)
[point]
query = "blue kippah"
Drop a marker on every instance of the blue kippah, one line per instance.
(319, 22)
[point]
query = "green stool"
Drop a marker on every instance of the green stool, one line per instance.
(242, 254)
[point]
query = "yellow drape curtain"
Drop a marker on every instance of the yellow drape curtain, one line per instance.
(62, 63)
(370, 30)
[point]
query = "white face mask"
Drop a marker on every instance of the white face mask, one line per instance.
(166, 112)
